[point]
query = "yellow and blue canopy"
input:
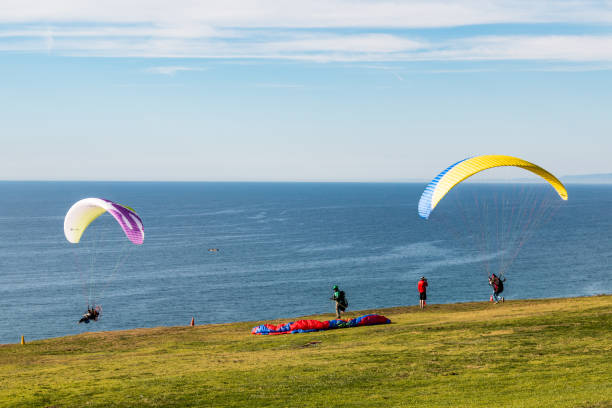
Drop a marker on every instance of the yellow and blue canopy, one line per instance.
(456, 173)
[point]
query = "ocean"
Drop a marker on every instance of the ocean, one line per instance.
(281, 248)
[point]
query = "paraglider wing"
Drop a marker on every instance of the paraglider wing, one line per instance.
(83, 212)
(305, 326)
(463, 169)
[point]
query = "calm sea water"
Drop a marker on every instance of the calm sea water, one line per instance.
(281, 248)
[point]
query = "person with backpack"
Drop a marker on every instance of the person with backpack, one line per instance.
(340, 298)
(498, 287)
(422, 287)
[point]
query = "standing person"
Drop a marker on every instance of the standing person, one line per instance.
(340, 298)
(422, 286)
(498, 287)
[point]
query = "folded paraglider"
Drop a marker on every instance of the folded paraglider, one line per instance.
(305, 326)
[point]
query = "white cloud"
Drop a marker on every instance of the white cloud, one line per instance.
(305, 14)
(117, 31)
(324, 47)
(574, 48)
(316, 30)
(368, 43)
(319, 47)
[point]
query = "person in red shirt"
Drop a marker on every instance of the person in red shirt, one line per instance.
(422, 286)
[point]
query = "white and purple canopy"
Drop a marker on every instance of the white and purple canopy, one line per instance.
(83, 212)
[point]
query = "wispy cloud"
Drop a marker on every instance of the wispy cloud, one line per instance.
(317, 30)
(322, 47)
(308, 14)
(549, 47)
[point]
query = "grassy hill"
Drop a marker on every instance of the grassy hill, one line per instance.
(527, 353)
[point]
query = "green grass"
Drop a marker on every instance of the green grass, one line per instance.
(530, 353)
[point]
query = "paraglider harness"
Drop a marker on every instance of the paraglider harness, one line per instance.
(340, 297)
(93, 313)
(498, 283)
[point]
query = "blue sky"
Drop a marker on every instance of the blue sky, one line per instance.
(320, 90)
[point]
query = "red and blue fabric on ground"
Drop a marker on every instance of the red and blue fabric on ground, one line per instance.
(305, 326)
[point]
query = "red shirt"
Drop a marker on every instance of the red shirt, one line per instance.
(422, 286)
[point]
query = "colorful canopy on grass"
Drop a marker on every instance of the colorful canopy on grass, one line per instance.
(305, 326)
(83, 212)
(463, 169)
